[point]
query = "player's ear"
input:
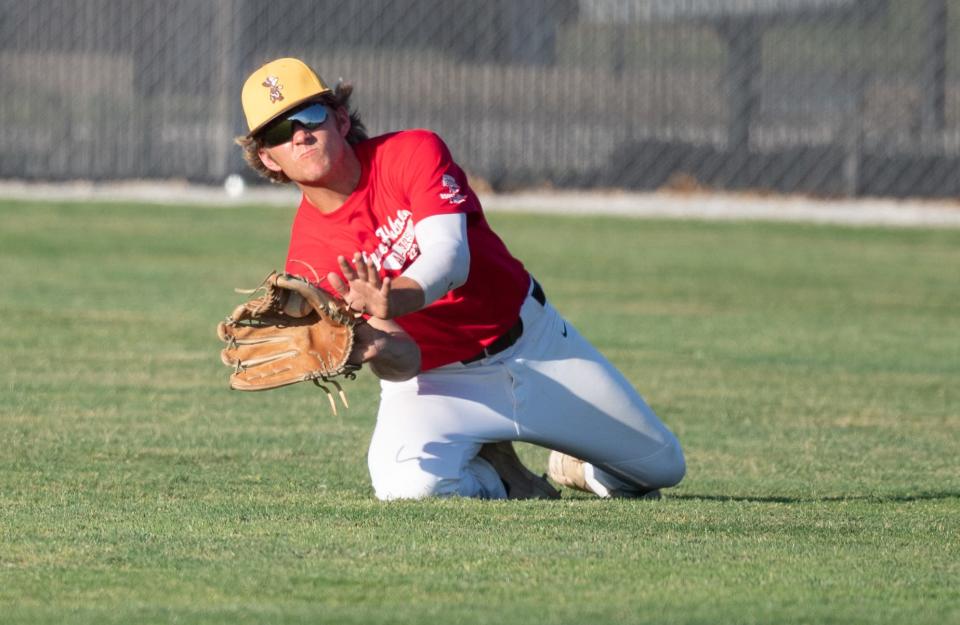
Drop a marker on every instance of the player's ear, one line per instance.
(343, 121)
(268, 161)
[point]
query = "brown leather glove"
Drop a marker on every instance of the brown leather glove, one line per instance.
(293, 332)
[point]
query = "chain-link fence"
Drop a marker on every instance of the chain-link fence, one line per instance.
(823, 96)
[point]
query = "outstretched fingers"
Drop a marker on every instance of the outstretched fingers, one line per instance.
(361, 286)
(360, 267)
(373, 276)
(338, 284)
(349, 272)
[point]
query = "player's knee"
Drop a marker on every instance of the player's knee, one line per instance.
(671, 465)
(411, 483)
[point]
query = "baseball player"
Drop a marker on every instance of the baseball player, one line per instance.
(470, 353)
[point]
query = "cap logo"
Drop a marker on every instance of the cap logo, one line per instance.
(273, 83)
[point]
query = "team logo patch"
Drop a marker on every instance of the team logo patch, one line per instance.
(273, 83)
(451, 190)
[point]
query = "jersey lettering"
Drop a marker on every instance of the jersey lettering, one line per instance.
(398, 243)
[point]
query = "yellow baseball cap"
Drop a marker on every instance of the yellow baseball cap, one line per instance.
(276, 88)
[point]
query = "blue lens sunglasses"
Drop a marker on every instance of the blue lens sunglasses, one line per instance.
(279, 132)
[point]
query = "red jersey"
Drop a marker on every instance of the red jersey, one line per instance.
(408, 176)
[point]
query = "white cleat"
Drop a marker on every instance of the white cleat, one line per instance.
(571, 472)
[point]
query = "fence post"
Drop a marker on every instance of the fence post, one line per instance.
(743, 38)
(853, 123)
(237, 45)
(932, 86)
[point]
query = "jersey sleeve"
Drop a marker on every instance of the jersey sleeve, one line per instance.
(431, 181)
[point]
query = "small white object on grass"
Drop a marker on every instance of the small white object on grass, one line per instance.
(234, 185)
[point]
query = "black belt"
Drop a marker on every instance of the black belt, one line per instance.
(511, 336)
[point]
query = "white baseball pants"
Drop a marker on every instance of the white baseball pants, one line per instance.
(551, 388)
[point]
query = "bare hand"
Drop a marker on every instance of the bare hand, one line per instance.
(389, 352)
(369, 343)
(363, 290)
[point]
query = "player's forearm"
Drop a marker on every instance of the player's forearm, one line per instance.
(444, 261)
(406, 296)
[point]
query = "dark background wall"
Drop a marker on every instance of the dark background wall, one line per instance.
(832, 97)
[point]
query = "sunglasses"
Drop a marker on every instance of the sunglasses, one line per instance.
(279, 132)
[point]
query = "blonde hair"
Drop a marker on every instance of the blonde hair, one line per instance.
(339, 99)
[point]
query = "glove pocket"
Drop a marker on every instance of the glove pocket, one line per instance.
(265, 357)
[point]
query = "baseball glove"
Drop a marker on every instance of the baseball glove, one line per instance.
(293, 332)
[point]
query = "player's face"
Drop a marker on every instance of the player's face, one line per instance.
(308, 146)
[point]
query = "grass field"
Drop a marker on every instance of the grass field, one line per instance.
(812, 373)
